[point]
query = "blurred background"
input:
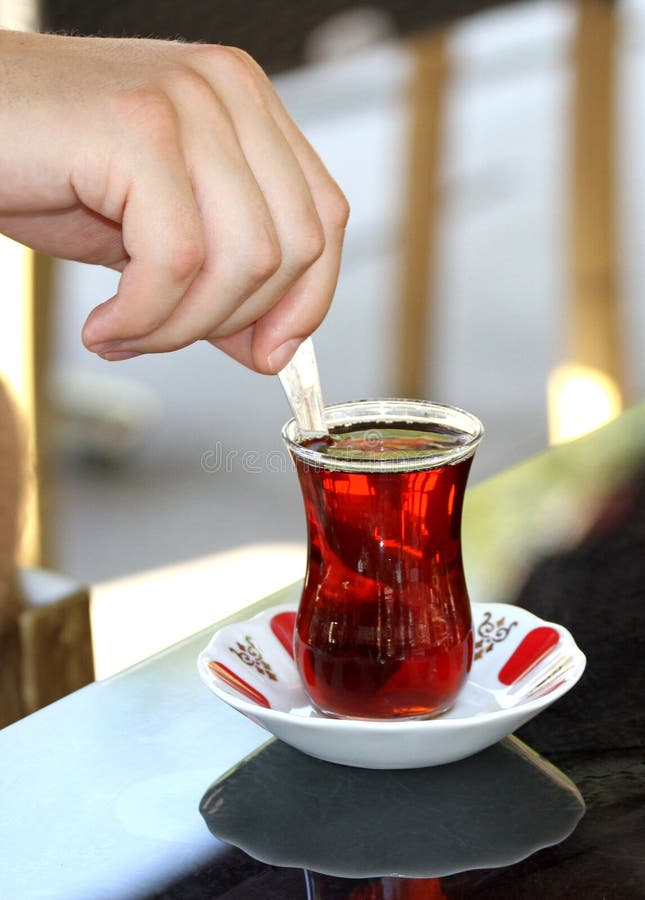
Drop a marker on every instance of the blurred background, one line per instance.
(492, 155)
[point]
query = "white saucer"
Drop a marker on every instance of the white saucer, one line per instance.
(521, 665)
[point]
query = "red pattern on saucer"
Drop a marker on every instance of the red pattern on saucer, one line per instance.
(238, 683)
(283, 626)
(534, 647)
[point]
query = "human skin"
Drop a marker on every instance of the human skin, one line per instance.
(178, 166)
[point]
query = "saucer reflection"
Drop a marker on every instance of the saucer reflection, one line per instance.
(493, 809)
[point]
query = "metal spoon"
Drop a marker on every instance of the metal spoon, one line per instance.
(301, 384)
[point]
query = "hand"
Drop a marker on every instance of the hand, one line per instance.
(178, 166)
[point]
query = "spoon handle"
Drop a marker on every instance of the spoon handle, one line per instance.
(301, 384)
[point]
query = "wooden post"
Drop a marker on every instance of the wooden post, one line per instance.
(594, 336)
(416, 312)
(11, 481)
(43, 301)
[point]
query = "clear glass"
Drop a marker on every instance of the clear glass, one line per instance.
(383, 628)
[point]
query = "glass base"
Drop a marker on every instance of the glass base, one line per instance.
(403, 716)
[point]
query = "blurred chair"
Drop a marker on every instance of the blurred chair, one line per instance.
(45, 639)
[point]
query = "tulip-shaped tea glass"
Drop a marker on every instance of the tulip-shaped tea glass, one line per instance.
(384, 628)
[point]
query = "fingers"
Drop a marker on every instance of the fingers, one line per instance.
(238, 346)
(241, 248)
(279, 176)
(269, 345)
(232, 226)
(300, 311)
(161, 227)
(298, 314)
(305, 302)
(260, 224)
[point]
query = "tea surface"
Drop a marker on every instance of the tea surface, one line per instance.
(382, 441)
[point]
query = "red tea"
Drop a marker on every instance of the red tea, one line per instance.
(384, 627)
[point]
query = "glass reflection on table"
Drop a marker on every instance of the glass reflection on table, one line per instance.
(327, 887)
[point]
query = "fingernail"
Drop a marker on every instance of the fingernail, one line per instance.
(105, 345)
(114, 355)
(279, 357)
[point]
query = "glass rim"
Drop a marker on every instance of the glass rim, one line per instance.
(385, 411)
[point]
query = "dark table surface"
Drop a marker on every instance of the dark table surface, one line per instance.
(116, 791)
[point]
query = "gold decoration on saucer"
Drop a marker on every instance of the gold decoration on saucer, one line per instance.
(491, 633)
(252, 656)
